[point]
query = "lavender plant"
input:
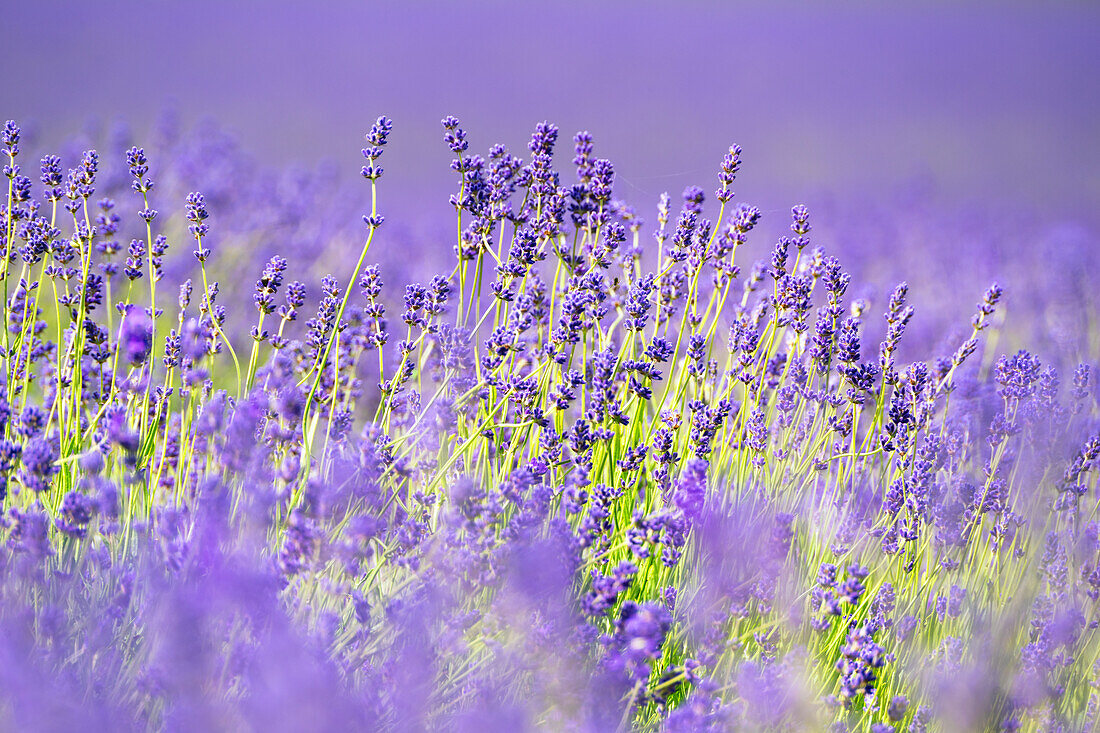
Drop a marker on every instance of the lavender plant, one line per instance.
(584, 479)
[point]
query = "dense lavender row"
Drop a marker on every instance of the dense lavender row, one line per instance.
(593, 476)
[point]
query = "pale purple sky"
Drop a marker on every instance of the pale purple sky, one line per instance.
(997, 102)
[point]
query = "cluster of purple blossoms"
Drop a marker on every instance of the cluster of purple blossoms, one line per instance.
(575, 480)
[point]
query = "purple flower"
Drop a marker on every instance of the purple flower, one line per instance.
(691, 489)
(640, 634)
(75, 513)
(607, 588)
(39, 455)
(899, 704)
(860, 659)
(136, 337)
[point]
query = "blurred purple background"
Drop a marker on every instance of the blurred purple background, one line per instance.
(947, 145)
(997, 103)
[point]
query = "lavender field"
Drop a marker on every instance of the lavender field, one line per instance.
(768, 404)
